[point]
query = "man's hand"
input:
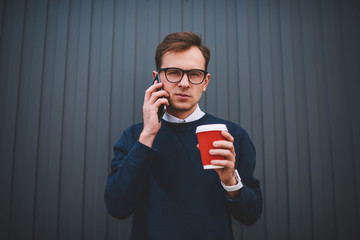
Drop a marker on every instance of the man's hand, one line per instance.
(225, 148)
(152, 101)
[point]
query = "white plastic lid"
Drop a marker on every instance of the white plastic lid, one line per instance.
(211, 127)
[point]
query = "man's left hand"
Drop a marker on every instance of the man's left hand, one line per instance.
(225, 148)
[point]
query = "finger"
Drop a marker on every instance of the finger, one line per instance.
(158, 99)
(224, 163)
(161, 101)
(159, 94)
(223, 144)
(152, 89)
(227, 136)
(155, 96)
(227, 154)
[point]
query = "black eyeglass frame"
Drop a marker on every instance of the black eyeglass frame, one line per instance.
(183, 72)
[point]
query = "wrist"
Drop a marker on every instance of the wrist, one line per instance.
(235, 185)
(232, 181)
(146, 138)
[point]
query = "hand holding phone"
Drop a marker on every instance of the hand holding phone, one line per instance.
(161, 110)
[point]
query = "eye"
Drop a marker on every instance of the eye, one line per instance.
(173, 72)
(196, 73)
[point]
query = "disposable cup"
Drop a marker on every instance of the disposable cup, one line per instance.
(206, 135)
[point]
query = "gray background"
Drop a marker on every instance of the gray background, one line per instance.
(73, 75)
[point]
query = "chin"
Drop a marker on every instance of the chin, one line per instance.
(182, 108)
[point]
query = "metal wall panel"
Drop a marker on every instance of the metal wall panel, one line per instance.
(73, 75)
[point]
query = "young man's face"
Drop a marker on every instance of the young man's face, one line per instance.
(184, 95)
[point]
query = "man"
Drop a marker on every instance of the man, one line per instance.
(157, 174)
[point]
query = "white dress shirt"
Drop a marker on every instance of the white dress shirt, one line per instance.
(196, 115)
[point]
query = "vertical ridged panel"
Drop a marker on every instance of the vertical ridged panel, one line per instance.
(73, 75)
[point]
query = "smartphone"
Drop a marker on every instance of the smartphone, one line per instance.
(161, 110)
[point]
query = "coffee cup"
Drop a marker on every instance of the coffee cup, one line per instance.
(206, 135)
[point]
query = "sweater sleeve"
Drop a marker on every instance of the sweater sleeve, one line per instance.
(127, 180)
(247, 207)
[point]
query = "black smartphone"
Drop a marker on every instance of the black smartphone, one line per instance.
(161, 110)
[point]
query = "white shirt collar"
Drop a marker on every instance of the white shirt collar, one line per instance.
(196, 115)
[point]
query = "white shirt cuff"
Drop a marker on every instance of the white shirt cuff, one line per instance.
(236, 187)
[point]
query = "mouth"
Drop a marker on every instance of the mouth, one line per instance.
(182, 96)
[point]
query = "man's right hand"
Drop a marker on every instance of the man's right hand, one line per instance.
(152, 101)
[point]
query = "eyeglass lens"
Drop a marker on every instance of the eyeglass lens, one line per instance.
(175, 75)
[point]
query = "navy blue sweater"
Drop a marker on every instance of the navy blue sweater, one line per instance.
(169, 192)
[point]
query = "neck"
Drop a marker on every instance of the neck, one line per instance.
(181, 114)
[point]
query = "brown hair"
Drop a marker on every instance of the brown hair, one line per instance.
(180, 41)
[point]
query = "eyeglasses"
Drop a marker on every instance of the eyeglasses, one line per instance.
(174, 75)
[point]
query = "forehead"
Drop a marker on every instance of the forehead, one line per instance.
(187, 59)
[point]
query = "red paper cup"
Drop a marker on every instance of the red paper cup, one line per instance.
(206, 135)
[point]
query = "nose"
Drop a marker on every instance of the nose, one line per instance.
(184, 82)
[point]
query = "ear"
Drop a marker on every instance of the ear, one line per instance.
(206, 81)
(154, 74)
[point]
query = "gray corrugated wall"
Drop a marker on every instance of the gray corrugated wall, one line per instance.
(73, 75)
